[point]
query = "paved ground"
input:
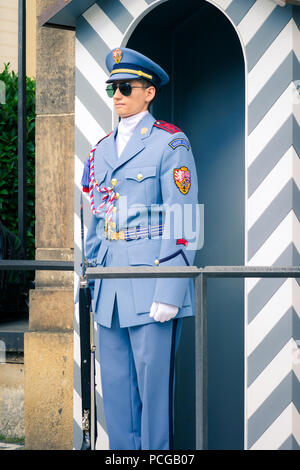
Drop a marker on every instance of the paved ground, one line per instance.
(6, 446)
(11, 383)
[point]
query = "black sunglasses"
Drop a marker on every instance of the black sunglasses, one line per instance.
(125, 88)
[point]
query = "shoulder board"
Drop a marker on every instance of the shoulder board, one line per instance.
(86, 170)
(166, 126)
(103, 138)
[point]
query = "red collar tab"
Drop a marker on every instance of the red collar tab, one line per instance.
(166, 126)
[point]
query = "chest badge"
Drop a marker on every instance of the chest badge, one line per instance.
(117, 55)
(182, 178)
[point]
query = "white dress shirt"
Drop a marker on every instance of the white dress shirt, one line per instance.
(126, 128)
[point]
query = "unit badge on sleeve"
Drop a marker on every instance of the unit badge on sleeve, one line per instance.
(182, 178)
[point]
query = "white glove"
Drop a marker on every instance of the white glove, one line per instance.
(163, 312)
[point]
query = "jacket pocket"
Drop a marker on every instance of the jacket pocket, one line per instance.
(139, 174)
(100, 260)
(143, 253)
(101, 253)
(141, 184)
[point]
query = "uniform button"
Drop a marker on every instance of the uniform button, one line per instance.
(117, 195)
(144, 130)
(114, 209)
(114, 181)
(156, 262)
(139, 176)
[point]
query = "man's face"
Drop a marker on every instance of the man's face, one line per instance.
(137, 102)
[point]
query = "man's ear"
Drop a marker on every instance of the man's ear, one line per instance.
(151, 91)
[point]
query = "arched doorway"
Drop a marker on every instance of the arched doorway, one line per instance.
(201, 51)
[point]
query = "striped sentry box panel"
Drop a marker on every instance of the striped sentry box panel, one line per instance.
(270, 40)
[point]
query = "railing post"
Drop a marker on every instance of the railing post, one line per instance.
(201, 362)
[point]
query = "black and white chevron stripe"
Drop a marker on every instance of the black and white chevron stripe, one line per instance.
(270, 39)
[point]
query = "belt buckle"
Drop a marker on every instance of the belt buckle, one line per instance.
(109, 233)
(121, 235)
(118, 235)
(112, 235)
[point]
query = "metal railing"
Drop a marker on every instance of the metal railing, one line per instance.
(200, 276)
(35, 265)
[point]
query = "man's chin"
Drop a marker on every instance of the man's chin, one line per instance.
(124, 115)
(120, 111)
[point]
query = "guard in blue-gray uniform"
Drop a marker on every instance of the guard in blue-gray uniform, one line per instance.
(142, 185)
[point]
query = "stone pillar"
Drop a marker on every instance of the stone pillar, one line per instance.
(48, 345)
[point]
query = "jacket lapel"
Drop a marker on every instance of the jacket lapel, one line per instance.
(109, 151)
(136, 143)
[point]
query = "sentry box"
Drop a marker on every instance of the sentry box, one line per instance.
(234, 90)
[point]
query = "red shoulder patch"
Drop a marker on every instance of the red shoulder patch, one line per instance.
(166, 126)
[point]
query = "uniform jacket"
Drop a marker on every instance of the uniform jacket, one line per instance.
(155, 171)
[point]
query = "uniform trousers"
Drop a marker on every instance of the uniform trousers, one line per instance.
(138, 375)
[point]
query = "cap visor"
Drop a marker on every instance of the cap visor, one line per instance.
(122, 76)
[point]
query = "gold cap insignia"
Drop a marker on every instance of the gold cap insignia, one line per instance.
(117, 55)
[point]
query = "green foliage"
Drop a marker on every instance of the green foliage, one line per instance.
(9, 156)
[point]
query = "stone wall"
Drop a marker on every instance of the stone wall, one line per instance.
(48, 345)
